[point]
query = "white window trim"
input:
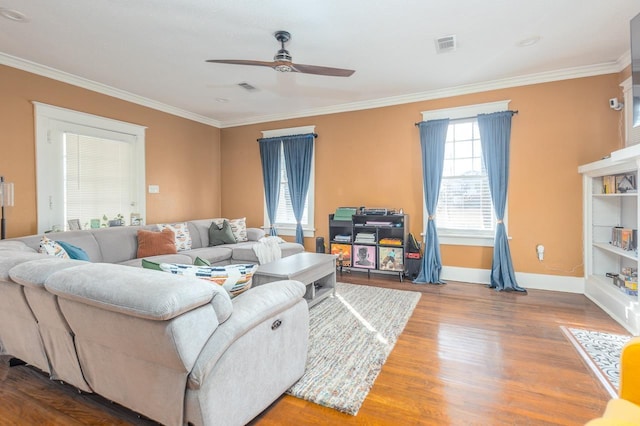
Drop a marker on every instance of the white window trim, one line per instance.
(460, 237)
(290, 230)
(50, 119)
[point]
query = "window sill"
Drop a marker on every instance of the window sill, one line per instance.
(290, 231)
(464, 240)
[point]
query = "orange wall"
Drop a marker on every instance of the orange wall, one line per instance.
(182, 156)
(369, 157)
(372, 158)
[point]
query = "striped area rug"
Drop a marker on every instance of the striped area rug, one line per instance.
(601, 352)
(351, 336)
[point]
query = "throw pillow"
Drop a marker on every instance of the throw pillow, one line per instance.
(52, 248)
(239, 228)
(73, 251)
(221, 235)
(182, 235)
(151, 243)
(201, 262)
(147, 264)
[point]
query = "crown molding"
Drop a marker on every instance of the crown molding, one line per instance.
(543, 77)
(84, 83)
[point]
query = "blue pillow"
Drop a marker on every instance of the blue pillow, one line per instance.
(73, 251)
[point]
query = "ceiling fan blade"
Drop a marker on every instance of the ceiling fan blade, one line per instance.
(314, 69)
(243, 62)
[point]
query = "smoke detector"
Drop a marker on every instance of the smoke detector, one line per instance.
(446, 44)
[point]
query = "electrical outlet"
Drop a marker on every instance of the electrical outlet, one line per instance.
(540, 252)
(154, 189)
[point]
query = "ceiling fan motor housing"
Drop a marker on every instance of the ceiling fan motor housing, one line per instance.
(283, 56)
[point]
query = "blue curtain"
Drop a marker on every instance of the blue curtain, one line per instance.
(270, 156)
(495, 136)
(433, 135)
(298, 154)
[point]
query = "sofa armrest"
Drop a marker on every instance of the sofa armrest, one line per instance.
(630, 371)
(249, 309)
(254, 234)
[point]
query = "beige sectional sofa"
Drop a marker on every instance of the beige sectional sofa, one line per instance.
(175, 349)
(119, 245)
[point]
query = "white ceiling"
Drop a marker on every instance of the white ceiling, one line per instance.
(154, 51)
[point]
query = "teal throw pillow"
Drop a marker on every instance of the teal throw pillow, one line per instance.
(223, 235)
(73, 251)
(201, 262)
(151, 265)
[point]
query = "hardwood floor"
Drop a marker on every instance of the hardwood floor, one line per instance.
(468, 356)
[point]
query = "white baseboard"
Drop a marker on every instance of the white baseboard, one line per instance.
(525, 279)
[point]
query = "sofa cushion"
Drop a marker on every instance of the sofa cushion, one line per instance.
(254, 234)
(52, 248)
(152, 243)
(243, 252)
(215, 255)
(15, 245)
(181, 233)
(239, 228)
(74, 252)
(221, 235)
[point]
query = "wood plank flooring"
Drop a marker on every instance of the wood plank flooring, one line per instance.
(468, 356)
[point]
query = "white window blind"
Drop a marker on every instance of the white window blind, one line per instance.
(285, 214)
(98, 177)
(464, 205)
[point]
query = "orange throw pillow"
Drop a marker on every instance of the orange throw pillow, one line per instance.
(151, 243)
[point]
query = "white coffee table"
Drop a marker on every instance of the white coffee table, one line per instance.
(316, 270)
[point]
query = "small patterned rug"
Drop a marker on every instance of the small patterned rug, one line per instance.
(350, 337)
(601, 351)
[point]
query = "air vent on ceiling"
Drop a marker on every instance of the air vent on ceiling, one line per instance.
(247, 87)
(446, 44)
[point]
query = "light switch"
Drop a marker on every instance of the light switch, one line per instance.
(154, 189)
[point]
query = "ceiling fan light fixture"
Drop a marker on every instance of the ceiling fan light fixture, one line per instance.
(283, 68)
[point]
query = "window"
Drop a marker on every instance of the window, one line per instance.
(285, 219)
(88, 167)
(464, 214)
(464, 205)
(97, 179)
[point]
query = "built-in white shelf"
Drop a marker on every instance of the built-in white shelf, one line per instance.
(601, 213)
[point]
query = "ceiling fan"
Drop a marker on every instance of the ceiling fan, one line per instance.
(282, 62)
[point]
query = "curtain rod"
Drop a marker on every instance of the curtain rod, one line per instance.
(315, 135)
(463, 118)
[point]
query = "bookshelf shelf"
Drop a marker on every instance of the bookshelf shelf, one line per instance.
(608, 208)
(626, 194)
(617, 250)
